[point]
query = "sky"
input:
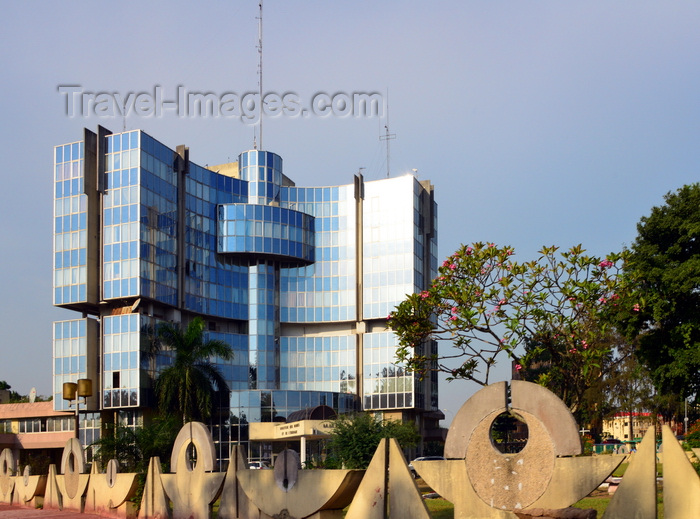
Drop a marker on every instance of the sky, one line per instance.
(538, 122)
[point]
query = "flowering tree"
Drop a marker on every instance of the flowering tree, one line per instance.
(485, 304)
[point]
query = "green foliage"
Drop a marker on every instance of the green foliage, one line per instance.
(189, 384)
(664, 269)
(354, 439)
(119, 443)
(38, 462)
(134, 447)
(486, 304)
(692, 439)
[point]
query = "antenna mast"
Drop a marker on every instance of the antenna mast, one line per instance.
(387, 136)
(260, 73)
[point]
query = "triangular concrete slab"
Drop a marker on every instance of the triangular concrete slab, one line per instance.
(681, 482)
(388, 474)
(154, 504)
(234, 502)
(635, 498)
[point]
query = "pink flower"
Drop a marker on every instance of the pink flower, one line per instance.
(585, 345)
(453, 318)
(603, 300)
(453, 266)
(518, 367)
(510, 252)
(424, 294)
(469, 251)
(388, 317)
(605, 264)
(445, 263)
(454, 310)
(573, 350)
(636, 307)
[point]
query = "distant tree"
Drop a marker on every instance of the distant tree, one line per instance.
(484, 303)
(188, 385)
(354, 439)
(15, 397)
(664, 269)
(549, 361)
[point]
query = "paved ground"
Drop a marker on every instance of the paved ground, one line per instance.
(12, 512)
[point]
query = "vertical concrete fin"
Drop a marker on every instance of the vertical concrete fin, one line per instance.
(405, 500)
(681, 482)
(234, 502)
(52, 496)
(369, 501)
(154, 504)
(635, 498)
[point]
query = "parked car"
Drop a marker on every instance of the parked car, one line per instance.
(257, 465)
(422, 458)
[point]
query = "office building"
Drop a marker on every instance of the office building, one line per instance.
(298, 280)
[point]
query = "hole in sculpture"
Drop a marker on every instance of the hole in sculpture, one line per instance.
(71, 462)
(191, 456)
(508, 433)
(5, 469)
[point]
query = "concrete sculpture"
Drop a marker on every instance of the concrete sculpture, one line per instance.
(388, 488)
(28, 488)
(478, 479)
(109, 493)
(193, 487)
(7, 480)
(635, 498)
(681, 482)
(235, 504)
(52, 494)
(73, 481)
(291, 493)
(154, 503)
(484, 483)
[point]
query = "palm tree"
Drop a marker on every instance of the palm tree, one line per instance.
(189, 383)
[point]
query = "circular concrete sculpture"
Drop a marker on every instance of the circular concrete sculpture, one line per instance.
(7, 463)
(483, 482)
(287, 469)
(193, 487)
(512, 481)
(72, 465)
(194, 435)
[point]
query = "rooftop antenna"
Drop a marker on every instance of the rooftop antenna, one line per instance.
(387, 136)
(260, 74)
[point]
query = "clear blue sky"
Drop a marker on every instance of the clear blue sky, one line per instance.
(539, 123)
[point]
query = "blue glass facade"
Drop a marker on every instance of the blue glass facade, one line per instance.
(70, 226)
(297, 280)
